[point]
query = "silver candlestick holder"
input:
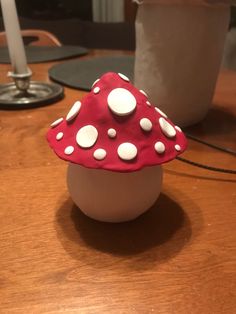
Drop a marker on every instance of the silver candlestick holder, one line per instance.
(23, 93)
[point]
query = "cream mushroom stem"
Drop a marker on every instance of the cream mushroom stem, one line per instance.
(94, 191)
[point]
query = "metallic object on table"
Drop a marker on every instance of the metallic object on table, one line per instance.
(24, 93)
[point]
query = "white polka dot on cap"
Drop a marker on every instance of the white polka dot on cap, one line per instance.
(111, 133)
(127, 151)
(178, 148)
(57, 122)
(69, 150)
(99, 154)
(178, 128)
(87, 136)
(145, 124)
(143, 92)
(121, 101)
(159, 147)
(73, 111)
(59, 136)
(161, 112)
(125, 78)
(167, 128)
(95, 82)
(96, 90)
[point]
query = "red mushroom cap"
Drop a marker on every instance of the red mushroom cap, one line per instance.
(115, 127)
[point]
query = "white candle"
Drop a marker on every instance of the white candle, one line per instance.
(14, 38)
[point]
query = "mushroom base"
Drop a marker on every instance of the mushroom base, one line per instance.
(113, 196)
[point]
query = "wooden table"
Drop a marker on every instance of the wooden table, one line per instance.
(179, 257)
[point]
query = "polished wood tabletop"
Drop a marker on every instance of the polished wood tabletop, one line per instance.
(179, 257)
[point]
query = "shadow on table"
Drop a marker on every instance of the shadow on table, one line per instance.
(157, 235)
(217, 122)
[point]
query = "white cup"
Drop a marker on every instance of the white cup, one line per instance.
(178, 55)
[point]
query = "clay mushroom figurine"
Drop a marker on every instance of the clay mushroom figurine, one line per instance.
(115, 141)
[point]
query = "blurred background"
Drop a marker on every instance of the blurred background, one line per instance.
(90, 23)
(98, 23)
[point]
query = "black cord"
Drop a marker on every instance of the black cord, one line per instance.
(223, 149)
(211, 168)
(196, 164)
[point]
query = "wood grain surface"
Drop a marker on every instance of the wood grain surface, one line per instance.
(179, 257)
